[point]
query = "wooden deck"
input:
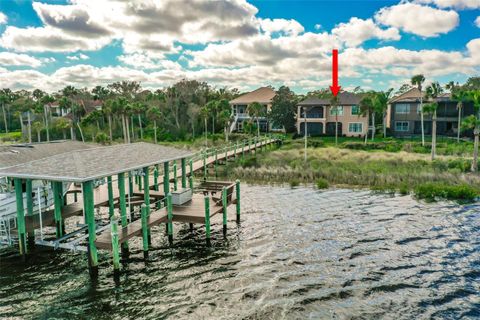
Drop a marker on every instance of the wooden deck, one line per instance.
(191, 212)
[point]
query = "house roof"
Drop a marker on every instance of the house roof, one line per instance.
(344, 98)
(94, 163)
(412, 95)
(15, 154)
(262, 95)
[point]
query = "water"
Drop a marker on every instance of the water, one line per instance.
(298, 254)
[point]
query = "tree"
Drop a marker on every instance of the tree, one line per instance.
(460, 96)
(224, 115)
(139, 108)
(37, 126)
(255, 110)
(432, 93)
(282, 113)
(212, 110)
(47, 100)
(6, 98)
(155, 115)
(418, 80)
(334, 106)
(367, 107)
(404, 88)
(204, 112)
(473, 122)
(62, 124)
(380, 102)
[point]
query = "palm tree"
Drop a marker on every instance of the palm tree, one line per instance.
(47, 100)
(432, 93)
(6, 98)
(460, 96)
(63, 124)
(255, 110)
(37, 127)
(334, 105)
(418, 80)
(204, 111)
(473, 122)
(139, 108)
(107, 109)
(381, 105)
(224, 115)
(212, 110)
(154, 114)
(367, 107)
(120, 106)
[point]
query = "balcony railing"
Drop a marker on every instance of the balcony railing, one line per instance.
(312, 116)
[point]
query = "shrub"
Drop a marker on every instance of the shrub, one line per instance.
(322, 183)
(102, 138)
(294, 183)
(432, 191)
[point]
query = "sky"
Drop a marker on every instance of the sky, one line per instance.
(238, 43)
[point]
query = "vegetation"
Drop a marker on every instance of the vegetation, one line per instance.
(284, 106)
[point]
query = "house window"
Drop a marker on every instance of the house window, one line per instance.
(402, 108)
(338, 109)
(355, 127)
(402, 126)
(355, 110)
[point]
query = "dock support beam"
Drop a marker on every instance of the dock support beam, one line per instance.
(166, 180)
(22, 237)
(207, 219)
(130, 194)
(224, 210)
(144, 231)
(237, 189)
(111, 209)
(88, 207)
(155, 178)
(184, 173)
(175, 182)
(115, 253)
(146, 195)
(170, 218)
(216, 160)
(204, 166)
(57, 202)
(123, 209)
(29, 191)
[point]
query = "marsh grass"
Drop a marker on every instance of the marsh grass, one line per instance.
(380, 171)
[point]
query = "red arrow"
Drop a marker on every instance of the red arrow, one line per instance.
(335, 88)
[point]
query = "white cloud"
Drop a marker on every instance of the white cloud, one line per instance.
(477, 21)
(288, 27)
(356, 31)
(46, 39)
(15, 59)
(142, 61)
(81, 56)
(457, 4)
(3, 18)
(417, 19)
(318, 26)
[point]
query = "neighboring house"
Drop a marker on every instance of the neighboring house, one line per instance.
(320, 116)
(57, 111)
(239, 106)
(404, 118)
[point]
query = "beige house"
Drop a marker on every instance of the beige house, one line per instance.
(239, 106)
(319, 116)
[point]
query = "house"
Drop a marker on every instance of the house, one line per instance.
(239, 106)
(58, 111)
(319, 116)
(404, 116)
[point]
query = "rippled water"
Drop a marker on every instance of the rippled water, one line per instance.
(298, 253)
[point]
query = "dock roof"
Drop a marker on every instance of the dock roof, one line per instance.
(15, 154)
(95, 163)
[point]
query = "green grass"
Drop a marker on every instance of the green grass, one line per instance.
(11, 137)
(433, 191)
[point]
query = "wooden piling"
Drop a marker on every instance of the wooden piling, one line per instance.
(207, 219)
(175, 182)
(216, 161)
(166, 180)
(204, 166)
(88, 207)
(155, 178)
(184, 173)
(123, 208)
(115, 253)
(111, 208)
(130, 194)
(237, 189)
(28, 195)
(144, 230)
(170, 218)
(224, 211)
(57, 202)
(22, 237)
(146, 195)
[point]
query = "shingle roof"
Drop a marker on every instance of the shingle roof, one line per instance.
(262, 95)
(95, 163)
(412, 95)
(15, 154)
(344, 98)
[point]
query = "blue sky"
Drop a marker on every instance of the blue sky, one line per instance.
(49, 44)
